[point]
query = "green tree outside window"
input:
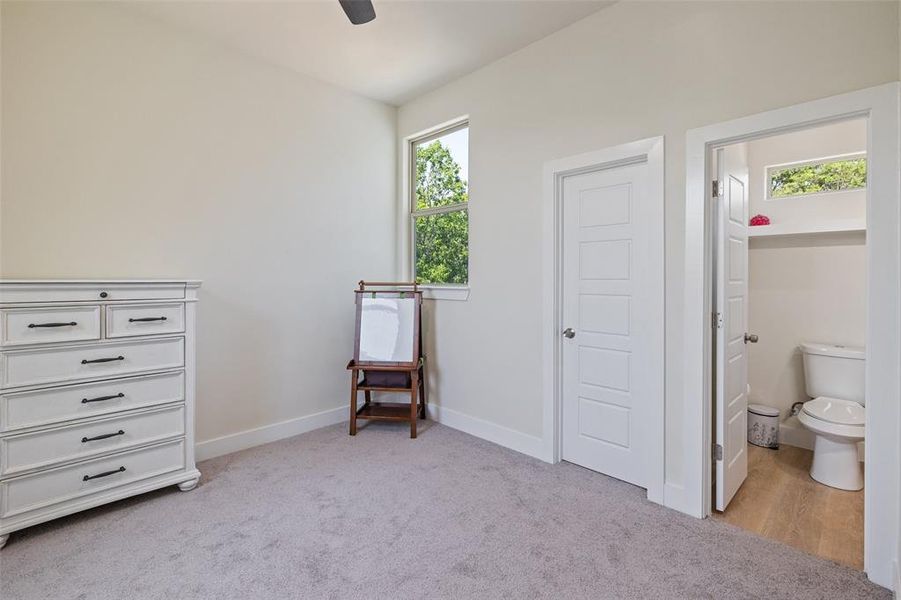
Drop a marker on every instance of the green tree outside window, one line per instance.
(833, 176)
(441, 238)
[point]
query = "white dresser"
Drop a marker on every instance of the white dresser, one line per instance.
(96, 394)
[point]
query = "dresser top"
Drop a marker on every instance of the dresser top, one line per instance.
(187, 282)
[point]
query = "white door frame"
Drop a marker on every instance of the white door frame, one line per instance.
(883, 374)
(648, 150)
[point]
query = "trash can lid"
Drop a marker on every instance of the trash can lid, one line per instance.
(764, 411)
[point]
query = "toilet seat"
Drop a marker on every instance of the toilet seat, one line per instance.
(823, 415)
(836, 411)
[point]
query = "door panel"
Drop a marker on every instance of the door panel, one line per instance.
(610, 286)
(604, 314)
(732, 304)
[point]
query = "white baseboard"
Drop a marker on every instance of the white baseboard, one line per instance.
(498, 434)
(792, 433)
(268, 433)
(492, 432)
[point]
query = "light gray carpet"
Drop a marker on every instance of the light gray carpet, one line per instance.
(324, 515)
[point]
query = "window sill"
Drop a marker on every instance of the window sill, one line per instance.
(445, 292)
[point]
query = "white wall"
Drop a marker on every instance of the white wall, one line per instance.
(838, 138)
(133, 149)
(805, 288)
(897, 585)
(631, 71)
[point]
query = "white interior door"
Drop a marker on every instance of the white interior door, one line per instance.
(731, 323)
(612, 346)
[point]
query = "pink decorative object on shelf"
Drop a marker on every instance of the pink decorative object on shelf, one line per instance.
(759, 220)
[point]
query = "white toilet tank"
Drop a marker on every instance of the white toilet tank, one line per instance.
(834, 371)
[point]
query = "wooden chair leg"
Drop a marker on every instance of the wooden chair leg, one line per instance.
(423, 381)
(368, 396)
(414, 387)
(353, 403)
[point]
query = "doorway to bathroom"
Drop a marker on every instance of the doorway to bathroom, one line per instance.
(788, 336)
(694, 432)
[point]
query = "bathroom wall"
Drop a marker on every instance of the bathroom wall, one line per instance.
(803, 287)
(839, 138)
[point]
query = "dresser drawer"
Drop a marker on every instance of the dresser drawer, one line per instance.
(15, 293)
(44, 448)
(56, 405)
(45, 488)
(72, 363)
(127, 320)
(19, 326)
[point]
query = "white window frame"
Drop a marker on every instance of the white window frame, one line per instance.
(433, 291)
(768, 175)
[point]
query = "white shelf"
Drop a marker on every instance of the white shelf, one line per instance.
(838, 226)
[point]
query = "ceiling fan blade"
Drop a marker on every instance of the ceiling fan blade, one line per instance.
(358, 11)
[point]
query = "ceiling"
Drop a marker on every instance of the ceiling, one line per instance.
(411, 47)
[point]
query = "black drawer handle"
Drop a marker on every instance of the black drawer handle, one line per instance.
(101, 360)
(105, 474)
(102, 398)
(36, 325)
(84, 440)
(146, 319)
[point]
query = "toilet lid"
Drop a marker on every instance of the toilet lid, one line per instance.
(833, 410)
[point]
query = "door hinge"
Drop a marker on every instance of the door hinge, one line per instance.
(716, 320)
(717, 452)
(716, 189)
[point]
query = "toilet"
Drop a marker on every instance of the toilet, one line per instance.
(834, 378)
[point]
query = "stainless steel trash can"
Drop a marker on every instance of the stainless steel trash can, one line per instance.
(763, 425)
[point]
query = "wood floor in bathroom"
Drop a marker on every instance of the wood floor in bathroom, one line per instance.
(779, 500)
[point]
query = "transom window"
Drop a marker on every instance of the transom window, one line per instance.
(440, 206)
(824, 175)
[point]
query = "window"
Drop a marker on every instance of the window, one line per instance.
(834, 174)
(439, 206)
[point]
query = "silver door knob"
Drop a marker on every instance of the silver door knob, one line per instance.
(751, 337)
(569, 333)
